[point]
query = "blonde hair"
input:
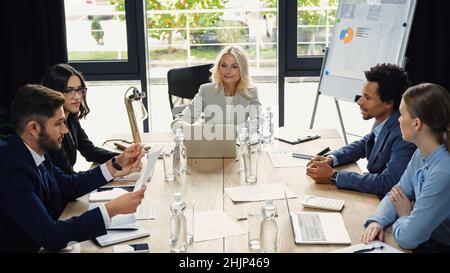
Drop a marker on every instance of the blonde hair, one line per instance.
(241, 57)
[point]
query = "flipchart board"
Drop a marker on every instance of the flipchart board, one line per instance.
(366, 33)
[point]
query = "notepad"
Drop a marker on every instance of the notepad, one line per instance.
(114, 237)
(122, 228)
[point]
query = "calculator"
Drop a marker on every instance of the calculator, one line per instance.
(316, 202)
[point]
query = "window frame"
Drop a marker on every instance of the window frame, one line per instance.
(298, 66)
(98, 70)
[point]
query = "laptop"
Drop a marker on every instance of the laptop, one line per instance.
(318, 228)
(210, 140)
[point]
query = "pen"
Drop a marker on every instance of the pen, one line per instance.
(368, 249)
(324, 151)
(302, 156)
(122, 229)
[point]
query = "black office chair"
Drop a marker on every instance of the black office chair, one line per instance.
(6, 127)
(183, 83)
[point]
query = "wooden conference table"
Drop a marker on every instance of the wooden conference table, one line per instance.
(205, 184)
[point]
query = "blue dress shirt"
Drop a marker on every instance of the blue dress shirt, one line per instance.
(426, 181)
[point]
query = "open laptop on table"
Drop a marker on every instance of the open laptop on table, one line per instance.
(210, 140)
(318, 227)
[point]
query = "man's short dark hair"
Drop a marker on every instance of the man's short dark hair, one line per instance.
(34, 101)
(392, 82)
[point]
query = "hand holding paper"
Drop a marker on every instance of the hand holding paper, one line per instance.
(129, 160)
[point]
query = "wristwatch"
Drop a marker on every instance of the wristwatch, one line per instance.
(333, 178)
(115, 164)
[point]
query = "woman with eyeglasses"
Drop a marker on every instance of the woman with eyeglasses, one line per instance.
(418, 207)
(70, 82)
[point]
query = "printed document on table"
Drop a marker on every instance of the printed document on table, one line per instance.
(284, 159)
(259, 192)
(214, 224)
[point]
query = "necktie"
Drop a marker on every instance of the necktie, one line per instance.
(45, 184)
(44, 176)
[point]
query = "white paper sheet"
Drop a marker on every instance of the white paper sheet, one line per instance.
(106, 195)
(284, 159)
(146, 211)
(214, 224)
(386, 248)
(259, 192)
(149, 167)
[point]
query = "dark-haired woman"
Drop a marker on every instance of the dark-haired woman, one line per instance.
(70, 82)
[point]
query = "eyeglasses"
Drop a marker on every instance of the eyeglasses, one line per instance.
(70, 92)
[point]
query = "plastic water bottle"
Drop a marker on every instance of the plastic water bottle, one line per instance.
(269, 227)
(180, 153)
(268, 127)
(178, 232)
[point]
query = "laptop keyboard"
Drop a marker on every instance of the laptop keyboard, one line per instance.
(311, 227)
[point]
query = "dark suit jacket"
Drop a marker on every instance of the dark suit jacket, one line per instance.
(77, 140)
(387, 160)
(28, 215)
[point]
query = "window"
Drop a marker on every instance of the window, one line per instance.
(314, 26)
(95, 31)
(102, 38)
(186, 33)
(308, 29)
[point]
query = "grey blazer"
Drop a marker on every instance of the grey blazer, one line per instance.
(212, 102)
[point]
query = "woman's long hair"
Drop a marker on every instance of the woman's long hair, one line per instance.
(239, 54)
(57, 77)
(431, 104)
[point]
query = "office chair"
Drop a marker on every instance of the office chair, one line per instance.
(184, 83)
(6, 127)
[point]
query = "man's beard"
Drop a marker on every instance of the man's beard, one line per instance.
(46, 143)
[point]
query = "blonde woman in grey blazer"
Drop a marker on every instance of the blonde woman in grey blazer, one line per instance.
(229, 99)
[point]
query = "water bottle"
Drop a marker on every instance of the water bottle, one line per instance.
(268, 127)
(178, 231)
(269, 227)
(180, 153)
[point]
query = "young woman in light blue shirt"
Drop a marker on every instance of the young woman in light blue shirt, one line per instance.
(419, 205)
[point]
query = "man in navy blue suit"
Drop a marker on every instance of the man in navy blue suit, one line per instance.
(33, 192)
(387, 153)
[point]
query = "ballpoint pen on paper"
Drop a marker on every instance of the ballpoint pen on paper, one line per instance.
(370, 249)
(302, 156)
(121, 229)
